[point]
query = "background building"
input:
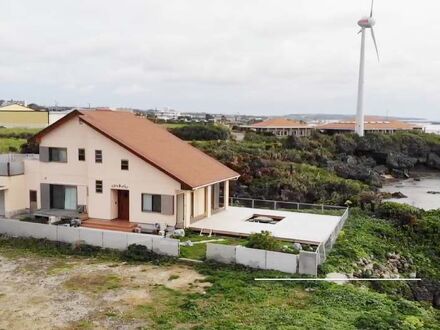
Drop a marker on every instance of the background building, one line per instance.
(372, 124)
(281, 127)
(16, 115)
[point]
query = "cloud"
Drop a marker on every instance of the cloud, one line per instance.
(248, 56)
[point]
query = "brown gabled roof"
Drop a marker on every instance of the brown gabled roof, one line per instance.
(280, 123)
(154, 144)
(371, 123)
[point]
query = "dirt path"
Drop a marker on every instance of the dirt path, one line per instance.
(48, 293)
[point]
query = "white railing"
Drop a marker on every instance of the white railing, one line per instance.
(286, 206)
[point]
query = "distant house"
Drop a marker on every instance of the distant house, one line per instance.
(281, 127)
(372, 125)
(16, 115)
(115, 165)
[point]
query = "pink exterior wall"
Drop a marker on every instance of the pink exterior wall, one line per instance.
(140, 178)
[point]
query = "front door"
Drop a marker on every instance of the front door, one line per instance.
(123, 204)
(33, 200)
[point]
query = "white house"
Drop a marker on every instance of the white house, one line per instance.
(113, 165)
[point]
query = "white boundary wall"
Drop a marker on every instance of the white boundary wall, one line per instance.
(254, 258)
(101, 238)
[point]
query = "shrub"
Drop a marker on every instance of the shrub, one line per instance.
(137, 252)
(85, 250)
(201, 132)
(264, 241)
(371, 321)
(404, 213)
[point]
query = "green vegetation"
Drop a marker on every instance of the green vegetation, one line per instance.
(371, 247)
(14, 139)
(18, 133)
(236, 301)
(322, 168)
(201, 132)
(11, 145)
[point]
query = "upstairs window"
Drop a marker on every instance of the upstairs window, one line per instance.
(98, 156)
(58, 155)
(98, 186)
(124, 165)
(81, 155)
(151, 203)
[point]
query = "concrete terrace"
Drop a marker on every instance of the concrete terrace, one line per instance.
(295, 226)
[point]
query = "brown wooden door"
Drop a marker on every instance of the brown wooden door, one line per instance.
(33, 200)
(123, 204)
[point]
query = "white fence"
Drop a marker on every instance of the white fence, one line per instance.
(101, 238)
(306, 262)
(287, 206)
(254, 258)
(325, 247)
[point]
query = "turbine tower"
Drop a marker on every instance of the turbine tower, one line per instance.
(365, 23)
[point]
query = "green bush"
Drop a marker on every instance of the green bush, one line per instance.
(264, 241)
(137, 252)
(201, 132)
(404, 213)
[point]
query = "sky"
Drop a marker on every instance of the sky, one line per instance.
(221, 56)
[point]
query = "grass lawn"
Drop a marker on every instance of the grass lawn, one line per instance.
(198, 251)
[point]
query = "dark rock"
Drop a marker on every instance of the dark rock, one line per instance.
(398, 194)
(436, 300)
(358, 172)
(434, 192)
(434, 161)
(400, 161)
(381, 169)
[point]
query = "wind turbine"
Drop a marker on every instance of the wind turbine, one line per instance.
(365, 23)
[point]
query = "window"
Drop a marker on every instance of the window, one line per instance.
(98, 186)
(124, 165)
(151, 203)
(58, 155)
(98, 156)
(81, 154)
(63, 197)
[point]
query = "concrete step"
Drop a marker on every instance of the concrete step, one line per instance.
(109, 225)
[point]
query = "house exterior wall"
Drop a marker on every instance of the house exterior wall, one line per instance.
(140, 178)
(15, 195)
(31, 119)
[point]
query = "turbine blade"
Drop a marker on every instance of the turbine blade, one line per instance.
(375, 43)
(360, 31)
(372, 5)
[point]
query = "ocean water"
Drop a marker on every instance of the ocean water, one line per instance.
(417, 192)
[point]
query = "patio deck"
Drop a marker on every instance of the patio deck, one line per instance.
(299, 227)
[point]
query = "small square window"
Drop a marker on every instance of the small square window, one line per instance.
(124, 165)
(81, 154)
(98, 156)
(98, 186)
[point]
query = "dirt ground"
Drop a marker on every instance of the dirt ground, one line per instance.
(71, 293)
